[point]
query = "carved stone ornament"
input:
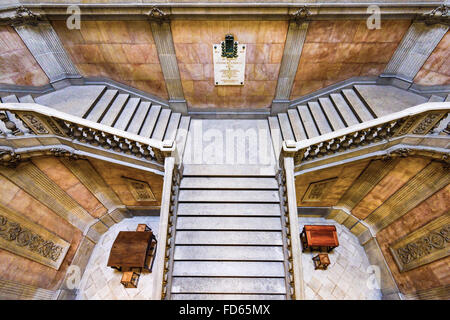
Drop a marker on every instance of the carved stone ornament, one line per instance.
(22, 237)
(23, 16)
(301, 15)
(439, 15)
(140, 190)
(401, 152)
(9, 158)
(427, 244)
(317, 191)
(34, 123)
(157, 14)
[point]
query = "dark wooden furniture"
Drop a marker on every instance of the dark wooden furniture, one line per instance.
(133, 249)
(321, 261)
(319, 236)
(130, 279)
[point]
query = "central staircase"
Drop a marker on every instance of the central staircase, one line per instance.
(228, 239)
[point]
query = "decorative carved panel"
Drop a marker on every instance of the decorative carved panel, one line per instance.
(140, 190)
(318, 190)
(27, 239)
(424, 245)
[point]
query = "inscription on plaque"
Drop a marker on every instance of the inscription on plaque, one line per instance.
(427, 244)
(229, 62)
(140, 190)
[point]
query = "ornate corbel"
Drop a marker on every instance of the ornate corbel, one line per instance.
(401, 152)
(156, 14)
(439, 15)
(301, 15)
(23, 16)
(61, 152)
(9, 158)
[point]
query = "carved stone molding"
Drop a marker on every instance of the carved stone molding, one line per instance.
(156, 14)
(27, 239)
(401, 152)
(9, 158)
(439, 15)
(301, 15)
(424, 245)
(23, 16)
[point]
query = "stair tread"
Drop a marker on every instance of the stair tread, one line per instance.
(74, 100)
(228, 223)
(229, 209)
(127, 113)
(228, 268)
(172, 126)
(12, 98)
(308, 122)
(357, 105)
(218, 296)
(331, 113)
(26, 99)
(228, 170)
(258, 238)
(150, 121)
(224, 253)
(114, 110)
(447, 99)
(297, 125)
(228, 183)
(101, 106)
(275, 132)
(228, 285)
(228, 196)
(161, 124)
(182, 133)
(344, 109)
(285, 126)
(139, 117)
(436, 98)
(319, 118)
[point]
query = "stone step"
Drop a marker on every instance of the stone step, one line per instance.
(344, 109)
(357, 105)
(331, 114)
(228, 269)
(275, 133)
(115, 109)
(447, 99)
(172, 127)
(228, 196)
(150, 121)
(229, 170)
(228, 209)
(212, 296)
(12, 98)
(182, 133)
(228, 223)
(258, 238)
(285, 126)
(139, 117)
(435, 98)
(319, 118)
(296, 124)
(161, 124)
(228, 183)
(308, 122)
(127, 113)
(26, 99)
(100, 108)
(228, 285)
(224, 253)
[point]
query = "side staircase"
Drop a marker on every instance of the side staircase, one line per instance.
(228, 241)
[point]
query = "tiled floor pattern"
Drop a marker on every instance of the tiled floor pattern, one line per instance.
(100, 282)
(347, 277)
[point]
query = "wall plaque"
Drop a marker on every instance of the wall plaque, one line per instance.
(424, 245)
(27, 239)
(140, 190)
(229, 62)
(318, 190)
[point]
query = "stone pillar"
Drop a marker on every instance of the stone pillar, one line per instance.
(414, 49)
(162, 35)
(291, 56)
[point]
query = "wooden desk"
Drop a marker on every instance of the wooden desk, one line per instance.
(319, 236)
(132, 249)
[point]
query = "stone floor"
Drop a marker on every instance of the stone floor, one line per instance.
(347, 277)
(100, 282)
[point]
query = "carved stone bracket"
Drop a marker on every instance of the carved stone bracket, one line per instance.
(9, 158)
(61, 152)
(23, 16)
(439, 15)
(156, 14)
(401, 152)
(301, 15)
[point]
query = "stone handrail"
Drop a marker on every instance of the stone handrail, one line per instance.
(22, 119)
(417, 120)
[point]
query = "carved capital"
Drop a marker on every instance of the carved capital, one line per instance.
(156, 14)
(23, 16)
(439, 15)
(301, 15)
